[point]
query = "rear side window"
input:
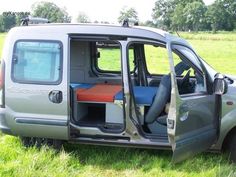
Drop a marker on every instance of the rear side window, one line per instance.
(37, 62)
(109, 56)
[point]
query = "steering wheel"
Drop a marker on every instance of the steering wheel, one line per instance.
(185, 79)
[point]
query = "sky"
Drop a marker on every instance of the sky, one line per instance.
(100, 10)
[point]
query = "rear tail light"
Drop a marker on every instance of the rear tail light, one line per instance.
(2, 84)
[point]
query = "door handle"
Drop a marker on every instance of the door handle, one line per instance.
(55, 96)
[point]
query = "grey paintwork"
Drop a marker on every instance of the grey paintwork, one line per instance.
(17, 96)
(190, 120)
(228, 121)
(31, 99)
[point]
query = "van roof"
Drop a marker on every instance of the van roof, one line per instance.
(95, 29)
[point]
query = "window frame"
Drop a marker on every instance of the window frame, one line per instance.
(199, 70)
(180, 54)
(57, 82)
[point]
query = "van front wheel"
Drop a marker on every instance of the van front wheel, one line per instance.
(232, 149)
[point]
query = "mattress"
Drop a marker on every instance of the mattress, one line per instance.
(98, 93)
(110, 93)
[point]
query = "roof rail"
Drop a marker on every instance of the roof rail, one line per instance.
(33, 20)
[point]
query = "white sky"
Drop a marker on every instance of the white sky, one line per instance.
(101, 10)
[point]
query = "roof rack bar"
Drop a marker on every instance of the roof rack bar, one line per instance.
(33, 20)
(127, 21)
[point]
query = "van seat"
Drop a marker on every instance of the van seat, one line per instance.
(143, 95)
(98, 93)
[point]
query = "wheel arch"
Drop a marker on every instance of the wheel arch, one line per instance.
(228, 126)
(227, 138)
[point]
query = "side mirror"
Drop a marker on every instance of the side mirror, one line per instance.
(220, 85)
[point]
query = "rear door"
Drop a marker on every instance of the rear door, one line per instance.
(192, 119)
(37, 89)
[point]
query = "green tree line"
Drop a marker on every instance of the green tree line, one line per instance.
(42, 9)
(11, 19)
(180, 15)
(194, 15)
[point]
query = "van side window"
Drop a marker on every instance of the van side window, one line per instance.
(37, 62)
(109, 57)
(107, 53)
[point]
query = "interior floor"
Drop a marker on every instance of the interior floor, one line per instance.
(158, 127)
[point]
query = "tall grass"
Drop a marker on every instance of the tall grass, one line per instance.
(87, 160)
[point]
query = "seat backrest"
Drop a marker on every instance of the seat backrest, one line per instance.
(163, 94)
(160, 100)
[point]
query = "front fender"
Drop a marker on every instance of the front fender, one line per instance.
(228, 122)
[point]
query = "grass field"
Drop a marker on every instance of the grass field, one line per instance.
(221, 35)
(86, 160)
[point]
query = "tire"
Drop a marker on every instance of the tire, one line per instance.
(28, 141)
(55, 144)
(232, 149)
(39, 142)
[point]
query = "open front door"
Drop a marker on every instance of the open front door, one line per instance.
(193, 122)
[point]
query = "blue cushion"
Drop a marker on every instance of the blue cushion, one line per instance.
(81, 85)
(143, 95)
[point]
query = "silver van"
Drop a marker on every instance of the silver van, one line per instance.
(114, 85)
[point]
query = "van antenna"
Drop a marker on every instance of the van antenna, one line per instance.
(177, 33)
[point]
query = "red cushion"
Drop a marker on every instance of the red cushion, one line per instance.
(79, 90)
(99, 93)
